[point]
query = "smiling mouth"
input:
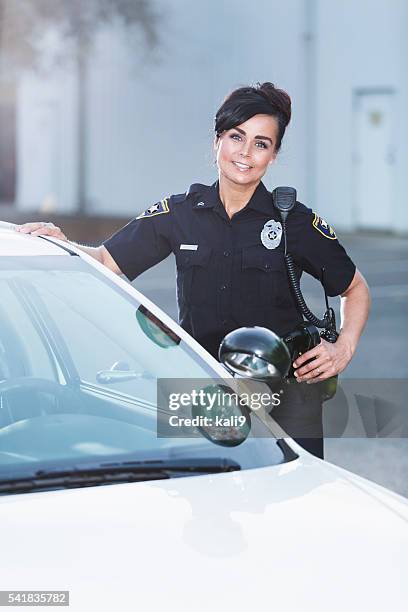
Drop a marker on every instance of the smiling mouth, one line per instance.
(242, 167)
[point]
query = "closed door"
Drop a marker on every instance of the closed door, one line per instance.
(373, 160)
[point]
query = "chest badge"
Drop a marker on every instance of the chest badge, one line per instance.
(271, 234)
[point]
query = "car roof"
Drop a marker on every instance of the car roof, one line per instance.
(14, 243)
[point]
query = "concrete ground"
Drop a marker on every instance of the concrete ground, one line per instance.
(381, 354)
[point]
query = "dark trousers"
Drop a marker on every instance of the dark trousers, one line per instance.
(300, 414)
(314, 446)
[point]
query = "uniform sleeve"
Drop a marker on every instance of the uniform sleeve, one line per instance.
(314, 245)
(143, 242)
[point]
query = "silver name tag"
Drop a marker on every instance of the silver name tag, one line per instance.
(188, 247)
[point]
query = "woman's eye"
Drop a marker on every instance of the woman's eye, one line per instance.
(261, 145)
(235, 136)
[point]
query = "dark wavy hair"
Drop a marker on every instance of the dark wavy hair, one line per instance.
(245, 102)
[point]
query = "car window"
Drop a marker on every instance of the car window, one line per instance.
(88, 360)
(22, 351)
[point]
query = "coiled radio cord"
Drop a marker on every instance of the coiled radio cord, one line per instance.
(328, 323)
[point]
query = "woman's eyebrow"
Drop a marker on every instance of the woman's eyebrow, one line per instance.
(256, 137)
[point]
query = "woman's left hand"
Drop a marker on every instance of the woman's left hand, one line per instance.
(328, 360)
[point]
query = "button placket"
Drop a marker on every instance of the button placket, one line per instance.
(225, 278)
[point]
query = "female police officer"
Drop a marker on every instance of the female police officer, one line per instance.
(229, 254)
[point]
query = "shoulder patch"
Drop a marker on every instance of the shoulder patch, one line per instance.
(323, 227)
(160, 208)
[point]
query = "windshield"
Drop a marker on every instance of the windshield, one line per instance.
(79, 363)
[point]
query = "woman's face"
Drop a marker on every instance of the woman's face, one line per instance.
(244, 152)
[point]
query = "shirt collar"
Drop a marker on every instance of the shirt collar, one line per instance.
(208, 197)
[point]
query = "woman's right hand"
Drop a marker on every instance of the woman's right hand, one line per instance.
(41, 228)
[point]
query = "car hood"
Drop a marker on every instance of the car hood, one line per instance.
(305, 535)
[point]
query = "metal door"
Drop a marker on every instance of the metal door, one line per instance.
(373, 159)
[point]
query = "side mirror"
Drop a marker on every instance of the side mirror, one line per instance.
(255, 352)
(230, 421)
(155, 329)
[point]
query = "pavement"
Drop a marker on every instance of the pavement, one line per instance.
(380, 357)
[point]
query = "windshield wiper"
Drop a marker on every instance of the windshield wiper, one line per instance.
(113, 473)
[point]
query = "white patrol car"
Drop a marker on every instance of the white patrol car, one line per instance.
(93, 501)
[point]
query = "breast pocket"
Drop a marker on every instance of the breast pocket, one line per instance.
(194, 276)
(263, 276)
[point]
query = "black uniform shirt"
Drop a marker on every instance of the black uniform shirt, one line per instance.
(231, 272)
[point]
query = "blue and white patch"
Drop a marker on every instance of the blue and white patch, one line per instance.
(160, 208)
(271, 234)
(323, 227)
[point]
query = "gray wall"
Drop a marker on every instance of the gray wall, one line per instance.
(150, 123)
(160, 139)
